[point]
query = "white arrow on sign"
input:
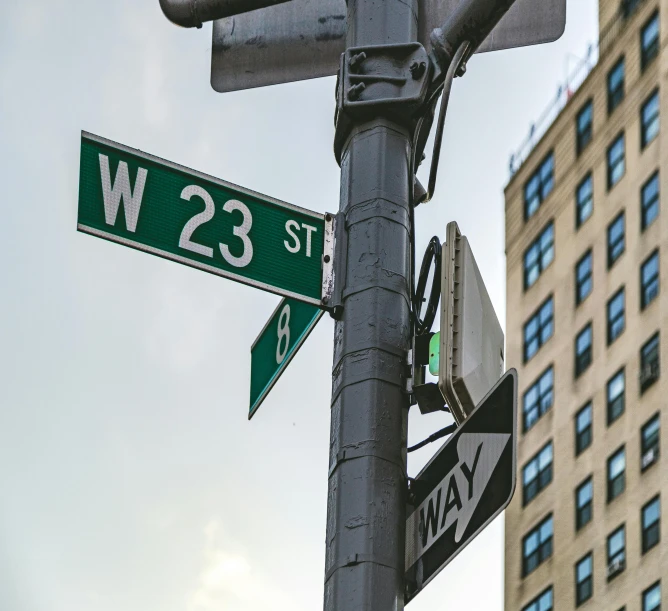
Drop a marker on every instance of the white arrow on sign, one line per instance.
(457, 496)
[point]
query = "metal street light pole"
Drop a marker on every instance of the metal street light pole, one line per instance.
(366, 511)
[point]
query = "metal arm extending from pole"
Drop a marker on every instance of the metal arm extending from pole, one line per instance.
(193, 13)
(471, 21)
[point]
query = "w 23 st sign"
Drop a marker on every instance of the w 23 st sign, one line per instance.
(159, 207)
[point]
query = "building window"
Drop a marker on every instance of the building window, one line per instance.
(583, 126)
(583, 278)
(651, 524)
(584, 585)
(651, 598)
(616, 164)
(649, 40)
(538, 256)
(616, 474)
(616, 242)
(616, 85)
(583, 350)
(649, 201)
(538, 329)
(537, 474)
(649, 442)
(583, 503)
(628, 6)
(583, 429)
(649, 279)
(649, 363)
(538, 398)
(616, 319)
(537, 546)
(649, 119)
(616, 552)
(584, 200)
(542, 602)
(615, 396)
(539, 186)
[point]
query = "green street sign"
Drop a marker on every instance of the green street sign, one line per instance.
(165, 209)
(287, 329)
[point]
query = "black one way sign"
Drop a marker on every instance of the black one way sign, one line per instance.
(464, 486)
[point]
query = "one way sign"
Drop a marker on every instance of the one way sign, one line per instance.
(464, 487)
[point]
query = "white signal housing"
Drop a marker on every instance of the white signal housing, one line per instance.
(471, 352)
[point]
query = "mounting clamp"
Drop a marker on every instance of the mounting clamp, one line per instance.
(388, 79)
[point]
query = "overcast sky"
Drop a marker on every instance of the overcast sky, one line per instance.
(130, 478)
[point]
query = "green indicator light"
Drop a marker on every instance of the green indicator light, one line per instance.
(434, 352)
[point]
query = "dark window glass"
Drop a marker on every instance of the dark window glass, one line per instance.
(583, 432)
(537, 474)
(583, 503)
(616, 85)
(616, 163)
(628, 6)
(539, 186)
(615, 396)
(583, 350)
(538, 329)
(650, 368)
(649, 41)
(583, 126)
(537, 546)
(616, 474)
(616, 318)
(583, 278)
(584, 586)
(542, 602)
(616, 552)
(651, 524)
(538, 256)
(616, 243)
(649, 279)
(649, 201)
(538, 398)
(649, 442)
(584, 200)
(651, 598)
(649, 119)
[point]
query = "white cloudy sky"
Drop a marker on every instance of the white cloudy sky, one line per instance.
(130, 478)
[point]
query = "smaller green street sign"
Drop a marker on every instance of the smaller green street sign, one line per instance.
(287, 329)
(159, 207)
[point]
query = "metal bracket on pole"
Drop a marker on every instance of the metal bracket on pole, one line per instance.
(328, 272)
(391, 80)
(334, 268)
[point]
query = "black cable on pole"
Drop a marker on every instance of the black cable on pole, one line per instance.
(453, 69)
(433, 253)
(448, 430)
(417, 325)
(414, 316)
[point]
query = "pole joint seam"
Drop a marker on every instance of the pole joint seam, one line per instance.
(394, 284)
(378, 345)
(364, 451)
(377, 207)
(366, 377)
(355, 559)
(367, 365)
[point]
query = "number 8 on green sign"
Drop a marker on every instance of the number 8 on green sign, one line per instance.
(283, 334)
(278, 342)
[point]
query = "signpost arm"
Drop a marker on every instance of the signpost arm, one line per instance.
(364, 567)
